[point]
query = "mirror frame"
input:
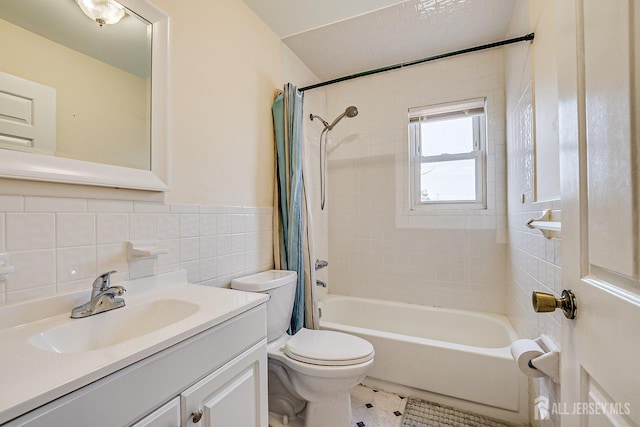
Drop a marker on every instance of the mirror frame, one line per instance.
(40, 167)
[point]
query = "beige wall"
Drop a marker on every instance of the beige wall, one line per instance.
(226, 69)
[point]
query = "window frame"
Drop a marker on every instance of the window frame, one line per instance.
(477, 109)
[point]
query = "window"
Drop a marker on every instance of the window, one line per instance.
(447, 143)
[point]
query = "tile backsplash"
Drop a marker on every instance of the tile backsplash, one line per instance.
(61, 244)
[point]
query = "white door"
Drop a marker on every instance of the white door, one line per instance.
(599, 53)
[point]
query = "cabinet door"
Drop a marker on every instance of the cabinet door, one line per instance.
(167, 415)
(234, 395)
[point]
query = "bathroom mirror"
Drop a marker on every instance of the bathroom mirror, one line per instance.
(82, 102)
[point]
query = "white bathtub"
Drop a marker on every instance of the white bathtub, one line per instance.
(460, 354)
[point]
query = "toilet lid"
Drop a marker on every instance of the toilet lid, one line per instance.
(328, 348)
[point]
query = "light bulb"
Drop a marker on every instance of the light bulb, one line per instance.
(102, 11)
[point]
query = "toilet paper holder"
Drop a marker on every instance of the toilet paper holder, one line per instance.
(547, 361)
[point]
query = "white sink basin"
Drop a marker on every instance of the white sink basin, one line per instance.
(58, 354)
(112, 327)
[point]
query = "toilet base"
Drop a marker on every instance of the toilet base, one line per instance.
(278, 420)
(333, 411)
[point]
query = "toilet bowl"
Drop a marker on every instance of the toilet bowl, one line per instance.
(311, 372)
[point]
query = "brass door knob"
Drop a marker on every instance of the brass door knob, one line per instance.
(544, 303)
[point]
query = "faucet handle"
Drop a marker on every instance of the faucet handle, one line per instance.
(103, 281)
(115, 291)
(320, 263)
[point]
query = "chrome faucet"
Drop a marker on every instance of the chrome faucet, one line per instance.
(103, 297)
(321, 283)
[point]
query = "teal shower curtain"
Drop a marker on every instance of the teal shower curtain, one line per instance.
(292, 231)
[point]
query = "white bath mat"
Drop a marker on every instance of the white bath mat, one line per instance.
(420, 413)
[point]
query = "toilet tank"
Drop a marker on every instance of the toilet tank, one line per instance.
(281, 287)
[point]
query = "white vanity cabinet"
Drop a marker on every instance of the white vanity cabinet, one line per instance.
(221, 371)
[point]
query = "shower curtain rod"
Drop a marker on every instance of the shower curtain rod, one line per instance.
(527, 37)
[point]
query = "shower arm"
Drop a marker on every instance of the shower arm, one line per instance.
(324, 122)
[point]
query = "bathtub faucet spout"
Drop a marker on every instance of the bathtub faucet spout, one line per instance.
(321, 283)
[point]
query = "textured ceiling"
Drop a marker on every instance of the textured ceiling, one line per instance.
(399, 33)
(289, 17)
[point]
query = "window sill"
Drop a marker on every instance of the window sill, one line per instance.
(448, 207)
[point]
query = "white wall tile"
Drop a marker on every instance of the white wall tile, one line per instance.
(185, 209)
(78, 285)
(367, 188)
(142, 268)
(237, 243)
(224, 224)
(189, 225)
(112, 228)
(208, 246)
(237, 223)
(75, 263)
(142, 227)
(27, 231)
(65, 243)
(168, 226)
(189, 249)
(207, 209)
(173, 257)
(208, 224)
(75, 229)
(193, 270)
(150, 207)
(208, 268)
(533, 264)
(54, 204)
(109, 206)
(223, 244)
(111, 257)
(32, 269)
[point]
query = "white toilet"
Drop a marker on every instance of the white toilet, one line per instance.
(310, 373)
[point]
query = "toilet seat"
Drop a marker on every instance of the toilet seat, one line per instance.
(328, 348)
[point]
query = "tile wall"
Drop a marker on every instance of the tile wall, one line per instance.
(534, 261)
(377, 247)
(62, 244)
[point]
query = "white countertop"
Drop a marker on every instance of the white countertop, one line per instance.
(31, 377)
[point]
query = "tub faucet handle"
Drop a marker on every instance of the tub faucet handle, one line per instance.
(320, 263)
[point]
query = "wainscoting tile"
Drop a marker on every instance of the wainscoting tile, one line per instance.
(60, 244)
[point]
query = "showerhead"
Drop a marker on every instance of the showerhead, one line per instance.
(349, 112)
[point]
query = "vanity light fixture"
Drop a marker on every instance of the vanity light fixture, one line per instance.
(102, 11)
